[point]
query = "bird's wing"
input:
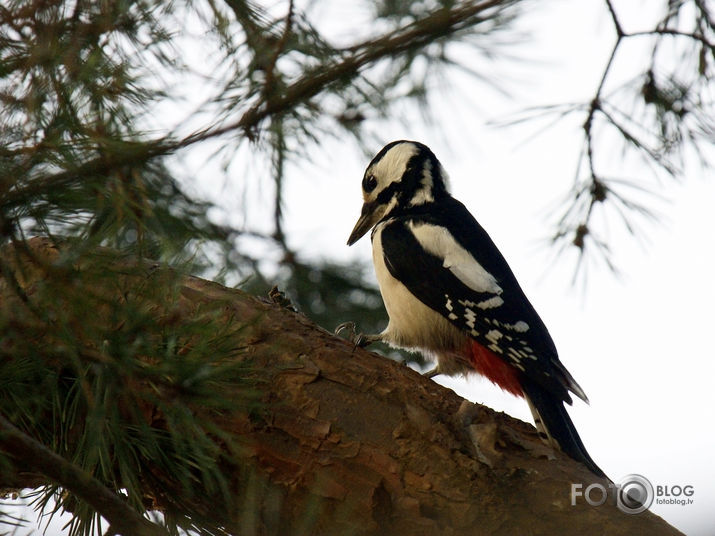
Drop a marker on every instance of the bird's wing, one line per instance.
(482, 299)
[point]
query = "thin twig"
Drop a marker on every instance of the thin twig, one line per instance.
(614, 18)
(677, 33)
(280, 47)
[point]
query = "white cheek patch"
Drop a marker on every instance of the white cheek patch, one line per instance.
(445, 177)
(439, 242)
(424, 194)
(392, 166)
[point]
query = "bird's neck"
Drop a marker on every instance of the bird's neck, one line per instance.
(439, 204)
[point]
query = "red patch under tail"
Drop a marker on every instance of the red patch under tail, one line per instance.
(492, 367)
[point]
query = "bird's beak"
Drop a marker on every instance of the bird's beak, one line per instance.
(369, 216)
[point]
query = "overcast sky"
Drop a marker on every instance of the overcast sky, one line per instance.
(641, 344)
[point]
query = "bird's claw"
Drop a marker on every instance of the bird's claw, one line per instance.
(345, 325)
(358, 339)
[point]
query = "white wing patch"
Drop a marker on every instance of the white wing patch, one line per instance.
(450, 308)
(496, 301)
(439, 242)
(520, 326)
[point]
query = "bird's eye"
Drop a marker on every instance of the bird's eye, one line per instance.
(369, 183)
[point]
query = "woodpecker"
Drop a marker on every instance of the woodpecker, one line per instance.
(450, 293)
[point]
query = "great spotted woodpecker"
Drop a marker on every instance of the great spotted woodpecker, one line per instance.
(449, 292)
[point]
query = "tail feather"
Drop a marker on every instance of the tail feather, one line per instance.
(555, 426)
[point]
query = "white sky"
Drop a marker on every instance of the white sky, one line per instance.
(640, 345)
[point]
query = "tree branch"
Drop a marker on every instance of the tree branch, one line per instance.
(575, 226)
(344, 441)
(34, 456)
(440, 23)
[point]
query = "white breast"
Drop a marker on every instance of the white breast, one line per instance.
(412, 324)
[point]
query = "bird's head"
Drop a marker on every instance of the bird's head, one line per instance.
(404, 174)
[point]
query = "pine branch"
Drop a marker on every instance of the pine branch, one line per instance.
(36, 457)
(439, 24)
(344, 441)
(576, 227)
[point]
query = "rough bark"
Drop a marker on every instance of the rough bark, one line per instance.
(349, 442)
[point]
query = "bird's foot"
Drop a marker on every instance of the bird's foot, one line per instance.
(358, 339)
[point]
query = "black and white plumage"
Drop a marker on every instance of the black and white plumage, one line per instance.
(449, 292)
